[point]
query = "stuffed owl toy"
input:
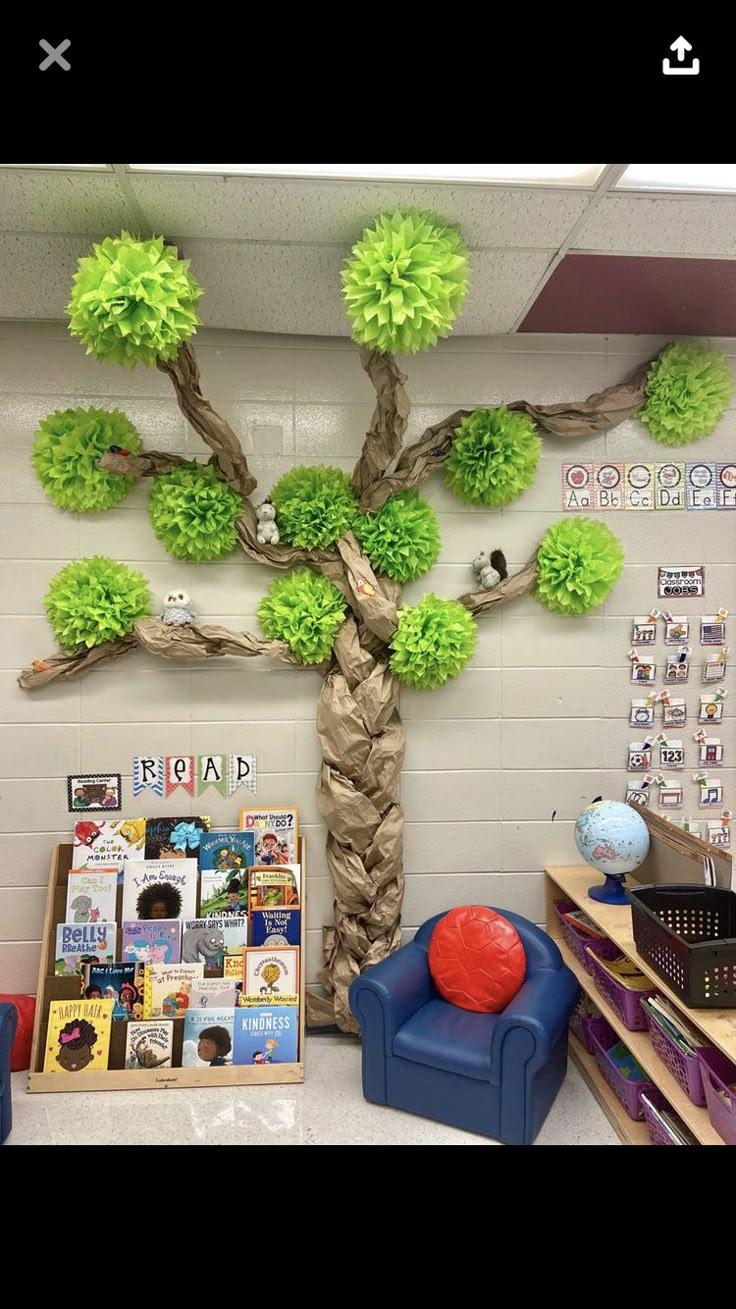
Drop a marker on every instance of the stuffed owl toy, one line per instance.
(490, 570)
(267, 533)
(177, 609)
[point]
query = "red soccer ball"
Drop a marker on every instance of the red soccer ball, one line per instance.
(476, 959)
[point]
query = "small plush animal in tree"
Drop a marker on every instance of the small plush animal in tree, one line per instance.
(267, 533)
(177, 609)
(490, 570)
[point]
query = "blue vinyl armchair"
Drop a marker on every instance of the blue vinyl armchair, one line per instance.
(8, 1024)
(496, 1074)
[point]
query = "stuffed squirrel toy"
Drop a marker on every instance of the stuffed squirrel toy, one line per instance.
(267, 533)
(489, 571)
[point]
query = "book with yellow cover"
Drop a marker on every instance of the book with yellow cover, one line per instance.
(626, 972)
(167, 989)
(78, 1037)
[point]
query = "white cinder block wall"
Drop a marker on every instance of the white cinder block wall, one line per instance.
(537, 726)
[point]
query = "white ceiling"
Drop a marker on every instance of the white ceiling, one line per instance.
(268, 251)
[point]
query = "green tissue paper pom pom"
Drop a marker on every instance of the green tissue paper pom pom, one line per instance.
(403, 539)
(314, 506)
(305, 610)
(688, 391)
(95, 600)
(578, 562)
(494, 457)
(432, 642)
(193, 513)
(133, 301)
(66, 449)
(405, 281)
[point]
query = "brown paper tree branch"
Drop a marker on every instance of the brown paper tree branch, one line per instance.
(358, 720)
(213, 429)
(388, 423)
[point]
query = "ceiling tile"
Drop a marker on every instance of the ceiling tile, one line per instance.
(248, 209)
(36, 273)
(62, 202)
(687, 225)
(501, 284)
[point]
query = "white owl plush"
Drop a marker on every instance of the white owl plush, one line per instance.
(177, 609)
(267, 533)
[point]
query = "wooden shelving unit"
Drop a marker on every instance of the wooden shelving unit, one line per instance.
(118, 1078)
(717, 1025)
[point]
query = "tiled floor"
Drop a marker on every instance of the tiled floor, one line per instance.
(328, 1109)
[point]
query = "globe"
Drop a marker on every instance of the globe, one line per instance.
(612, 837)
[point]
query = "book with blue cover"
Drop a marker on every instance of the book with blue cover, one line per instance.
(83, 943)
(266, 1035)
(276, 926)
(208, 1038)
(229, 853)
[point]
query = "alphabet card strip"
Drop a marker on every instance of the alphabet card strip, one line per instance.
(726, 483)
(242, 771)
(148, 774)
(179, 771)
(611, 487)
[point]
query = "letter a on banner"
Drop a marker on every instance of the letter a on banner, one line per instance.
(242, 772)
(180, 772)
(211, 772)
(148, 772)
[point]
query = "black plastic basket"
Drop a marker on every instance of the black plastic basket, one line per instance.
(687, 934)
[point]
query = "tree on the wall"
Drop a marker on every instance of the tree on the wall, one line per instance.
(347, 545)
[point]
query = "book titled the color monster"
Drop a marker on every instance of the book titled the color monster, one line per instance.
(276, 834)
(78, 1036)
(108, 842)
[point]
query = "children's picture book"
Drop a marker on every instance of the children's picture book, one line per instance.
(175, 838)
(149, 1044)
(670, 1123)
(578, 919)
(626, 972)
(223, 893)
(272, 976)
(118, 982)
(233, 968)
(266, 1035)
(627, 1065)
(229, 853)
(167, 988)
(108, 842)
(276, 834)
(213, 993)
(91, 895)
(78, 1036)
(271, 888)
(152, 941)
(208, 1038)
(83, 943)
(276, 927)
(209, 940)
(160, 888)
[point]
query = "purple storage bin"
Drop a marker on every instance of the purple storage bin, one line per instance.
(580, 1026)
(718, 1072)
(657, 1135)
(624, 1002)
(578, 941)
(684, 1068)
(628, 1092)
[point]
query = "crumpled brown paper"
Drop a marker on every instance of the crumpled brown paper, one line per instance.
(388, 422)
(215, 432)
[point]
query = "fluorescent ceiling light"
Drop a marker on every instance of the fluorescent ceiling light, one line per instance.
(96, 167)
(534, 174)
(679, 177)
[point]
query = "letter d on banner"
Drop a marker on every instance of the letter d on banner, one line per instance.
(242, 772)
(180, 772)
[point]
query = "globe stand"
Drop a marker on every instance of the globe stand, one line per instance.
(612, 891)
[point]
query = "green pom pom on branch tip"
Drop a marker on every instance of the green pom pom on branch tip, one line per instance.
(193, 513)
(305, 610)
(66, 450)
(95, 600)
(493, 458)
(315, 506)
(133, 301)
(402, 540)
(432, 643)
(578, 563)
(405, 281)
(688, 390)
